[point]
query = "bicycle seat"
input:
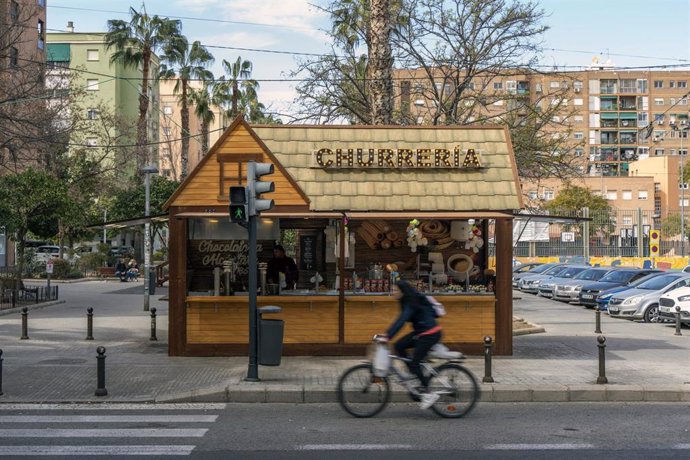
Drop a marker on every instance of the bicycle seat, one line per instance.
(440, 351)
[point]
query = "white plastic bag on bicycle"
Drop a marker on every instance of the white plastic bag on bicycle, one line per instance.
(382, 360)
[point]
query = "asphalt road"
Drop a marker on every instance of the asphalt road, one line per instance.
(317, 431)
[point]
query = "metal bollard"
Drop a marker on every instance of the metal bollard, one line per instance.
(602, 360)
(25, 324)
(153, 324)
(100, 372)
(89, 324)
(488, 344)
(597, 320)
(0, 372)
(677, 321)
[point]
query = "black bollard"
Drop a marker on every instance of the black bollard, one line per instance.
(602, 360)
(597, 320)
(100, 390)
(89, 324)
(25, 324)
(0, 372)
(677, 321)
(487, 360)
(153, 324)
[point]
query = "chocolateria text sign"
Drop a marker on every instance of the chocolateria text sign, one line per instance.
(402, 158)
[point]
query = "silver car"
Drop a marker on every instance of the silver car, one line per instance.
(530, 283)
(534, 271)
(546, 286)
(569, 291)
(642, 302)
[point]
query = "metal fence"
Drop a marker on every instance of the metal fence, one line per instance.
(13, 298)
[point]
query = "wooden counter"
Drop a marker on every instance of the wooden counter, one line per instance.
(314, 319)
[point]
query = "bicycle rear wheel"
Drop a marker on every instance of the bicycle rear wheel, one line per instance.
(458, 390)
(361, 393)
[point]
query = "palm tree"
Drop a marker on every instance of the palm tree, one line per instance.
(239, 83)
(185, 63)
(205, 99)
(135, 43)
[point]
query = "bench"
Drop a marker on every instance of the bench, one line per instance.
(108, 272)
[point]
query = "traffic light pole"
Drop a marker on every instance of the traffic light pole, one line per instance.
(253, 369)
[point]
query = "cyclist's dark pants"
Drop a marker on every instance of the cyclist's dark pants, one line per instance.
(421, 344)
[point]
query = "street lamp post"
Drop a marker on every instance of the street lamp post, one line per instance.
(147, 170)
(682, 129)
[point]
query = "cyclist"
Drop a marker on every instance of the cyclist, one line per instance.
(426, 332)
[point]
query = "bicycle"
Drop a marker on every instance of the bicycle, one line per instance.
(362, 393)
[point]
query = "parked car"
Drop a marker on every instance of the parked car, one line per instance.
(642, 302)
(530, 283)
(617, 277)
(534, 271)
(569, 291)
(546, 286)
(45, 252)
(677, 298)
(604, 296)
(522, 268)
(122, 251)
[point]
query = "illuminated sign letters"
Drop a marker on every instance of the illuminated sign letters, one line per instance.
(384, 158)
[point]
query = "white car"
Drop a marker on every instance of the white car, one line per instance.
(678, 298)
(43, 253)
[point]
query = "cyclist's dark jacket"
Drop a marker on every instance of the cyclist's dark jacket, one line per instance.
(416, 309)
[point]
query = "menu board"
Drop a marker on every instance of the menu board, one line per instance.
(307, 252)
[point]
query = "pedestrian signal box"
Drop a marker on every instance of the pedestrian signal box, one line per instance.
(655, 235)
(238, 204)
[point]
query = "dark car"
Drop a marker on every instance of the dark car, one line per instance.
(604, 296)
(521, 268)
(618, 277)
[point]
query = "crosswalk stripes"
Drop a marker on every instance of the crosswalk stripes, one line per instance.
(63, 423)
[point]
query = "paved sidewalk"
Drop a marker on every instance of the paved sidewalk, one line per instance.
(644, 362)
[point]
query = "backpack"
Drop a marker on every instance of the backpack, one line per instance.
(439, 309)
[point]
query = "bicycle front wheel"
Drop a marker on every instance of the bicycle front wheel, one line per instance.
(361, 393)
(458, 390)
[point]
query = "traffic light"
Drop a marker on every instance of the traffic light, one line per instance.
(256, 187)
(238, 204)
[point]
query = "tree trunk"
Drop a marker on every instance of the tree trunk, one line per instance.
(234, 99)
(204, 137)
(184, 158)
(142, 135)
(380, 65)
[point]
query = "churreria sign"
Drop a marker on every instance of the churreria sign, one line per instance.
(396, 158)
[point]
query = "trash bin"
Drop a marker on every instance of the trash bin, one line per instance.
(270, 337)
(152, 282)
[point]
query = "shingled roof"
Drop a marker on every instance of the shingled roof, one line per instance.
(495, 186)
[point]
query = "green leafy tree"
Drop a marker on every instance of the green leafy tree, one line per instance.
(204, 100)
(238, 86)
(185, 63)
(135, 43)
(670, 226)
(28, 201)
(572, 199)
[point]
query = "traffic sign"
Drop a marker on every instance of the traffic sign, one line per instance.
(654, 249)
(49, 266)
(655, 235)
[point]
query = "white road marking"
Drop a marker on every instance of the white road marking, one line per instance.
(95, 450)
(354, 446)
(107, 418)
(682, 446)
(105, 433)
(115, 406)
(565, 446)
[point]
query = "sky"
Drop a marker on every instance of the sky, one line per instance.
(272, 33)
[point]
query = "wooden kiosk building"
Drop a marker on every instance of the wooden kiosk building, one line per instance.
(350, 200)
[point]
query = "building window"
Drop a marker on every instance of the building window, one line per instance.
(14, 57)
(579, 135)
(92, 142)
(642, 194)
(658, 83)
(42, 3)
(657, 206)
(579, 151)
(167, 110)
(578, 101)
(577, 86)
(532, 194)
(627, 194)
(166, 173)
(92, 85)
(627, 220)
(549, 195)
(14, 11)
(92, 55)
(683, 202)
(682, 84)
(672, 84)
(612, 195)
(658, 152)
(499, 102)
(41, 35)
(470, 85)
(92, 114)
(683, 152)
(578, 119)
(498, 85)
(658, 101)
(554, 84)
(683, 101)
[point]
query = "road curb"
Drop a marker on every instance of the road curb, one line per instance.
(34, 306)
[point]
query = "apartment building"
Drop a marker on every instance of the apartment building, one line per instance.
(82, 60)
(22, 33)
(170, 135)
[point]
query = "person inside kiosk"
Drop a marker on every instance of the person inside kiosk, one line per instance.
(282, 269)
